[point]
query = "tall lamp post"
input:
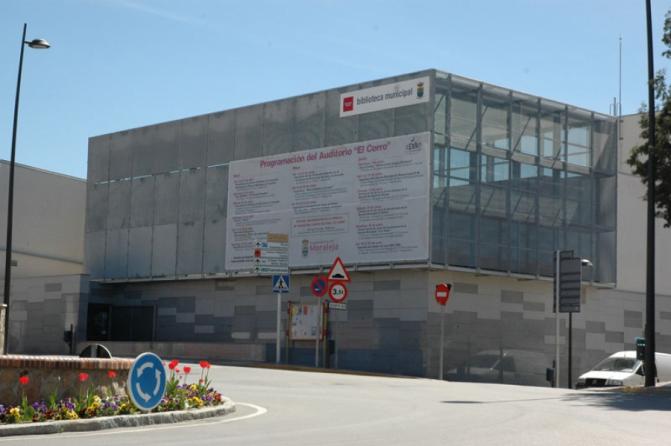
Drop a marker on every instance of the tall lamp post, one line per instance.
(37, 44)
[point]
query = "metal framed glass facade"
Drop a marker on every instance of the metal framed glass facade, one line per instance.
(516, 177)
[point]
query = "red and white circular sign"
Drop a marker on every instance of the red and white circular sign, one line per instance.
(443, 293)
(338, 292)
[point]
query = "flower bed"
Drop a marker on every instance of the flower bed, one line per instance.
(89, 403)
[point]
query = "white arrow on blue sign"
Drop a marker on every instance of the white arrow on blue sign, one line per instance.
(146, 381)
(281, 283)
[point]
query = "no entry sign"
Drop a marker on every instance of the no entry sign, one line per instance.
(443, 293)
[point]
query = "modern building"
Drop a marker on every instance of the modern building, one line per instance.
(412, 180)
(47, 257)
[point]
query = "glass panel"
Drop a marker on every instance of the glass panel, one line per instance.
(524, 128)
(551, 133)
(578, 139)
(494, 170)
(463, 118)
(495, 122)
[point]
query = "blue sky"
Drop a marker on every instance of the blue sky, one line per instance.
(119, 64)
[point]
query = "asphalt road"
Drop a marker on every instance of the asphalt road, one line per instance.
(278, 407)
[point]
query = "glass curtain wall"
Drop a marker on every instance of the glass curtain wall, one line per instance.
(516, 177)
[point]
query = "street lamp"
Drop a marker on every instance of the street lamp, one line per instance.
(37, 44)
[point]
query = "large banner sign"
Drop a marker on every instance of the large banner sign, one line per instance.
(367, 202)
(400, 94)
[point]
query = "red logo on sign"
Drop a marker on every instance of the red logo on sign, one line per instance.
(348, 104)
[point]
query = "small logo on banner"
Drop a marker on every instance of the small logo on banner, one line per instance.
(348, 104)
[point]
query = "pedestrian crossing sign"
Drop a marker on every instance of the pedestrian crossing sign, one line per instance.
(281, 283)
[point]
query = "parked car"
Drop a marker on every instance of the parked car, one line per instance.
(502, 366)
(623, 369)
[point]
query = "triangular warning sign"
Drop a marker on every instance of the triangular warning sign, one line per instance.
(338, 272)
(281, 284)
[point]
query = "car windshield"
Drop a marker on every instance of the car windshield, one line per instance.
(616, 365)
(483, 361)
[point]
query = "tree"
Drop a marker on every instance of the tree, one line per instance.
(638, 158)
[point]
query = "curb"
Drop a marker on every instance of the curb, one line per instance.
(116, 421)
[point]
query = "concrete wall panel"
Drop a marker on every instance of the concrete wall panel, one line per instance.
(412, 119)
(221, 134)
(164, 250)
(142, 202)
(192, 195)
(215, 244)
(278, 127)
(121, 146)
(118, 213)
(139, 252)
(216, 200)
(167, 198)
(98, 160)
(193, 142)
(249, 132)
(163, 147)
(310, 121)
(116, 254)
(190, 248)
(97, 197)
(95, 254)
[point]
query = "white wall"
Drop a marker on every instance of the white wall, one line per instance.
(48, 234)
(631, 224)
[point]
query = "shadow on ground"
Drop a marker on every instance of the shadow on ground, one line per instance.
(634, 401)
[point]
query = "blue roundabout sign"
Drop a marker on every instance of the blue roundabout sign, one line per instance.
(146, 381)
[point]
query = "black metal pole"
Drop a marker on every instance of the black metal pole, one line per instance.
(570, 350)
(650, 263)
(10, 197)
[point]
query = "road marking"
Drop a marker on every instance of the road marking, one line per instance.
(122, 430)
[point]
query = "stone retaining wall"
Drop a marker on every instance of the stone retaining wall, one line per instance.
(60, 375)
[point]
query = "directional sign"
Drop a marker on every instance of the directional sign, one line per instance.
(570, 277)
(318, 286)
(271, 254)
(146, 381)
(281, 283)
(338, 292)
(338, 272)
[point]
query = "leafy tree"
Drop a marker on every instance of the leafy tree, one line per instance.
(638, 158)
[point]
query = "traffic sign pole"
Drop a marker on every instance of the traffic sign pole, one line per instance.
(557, 261)
(277, 332)
(442, 342)
(319, 327)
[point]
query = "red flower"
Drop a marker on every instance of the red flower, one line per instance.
(173, 364)
(23, 380)
(176, 370)
(187, 369)
(111, 374)
(204, 365)
(83, 377)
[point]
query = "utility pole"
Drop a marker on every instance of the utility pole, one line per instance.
(652, 180)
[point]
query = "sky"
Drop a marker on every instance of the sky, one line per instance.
(120, 64)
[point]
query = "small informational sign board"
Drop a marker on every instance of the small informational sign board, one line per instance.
(338, 306)
(146, 381)
(271, 254)
(304, 322)
(281, 283)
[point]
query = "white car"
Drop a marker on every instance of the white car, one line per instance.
(623, 369)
